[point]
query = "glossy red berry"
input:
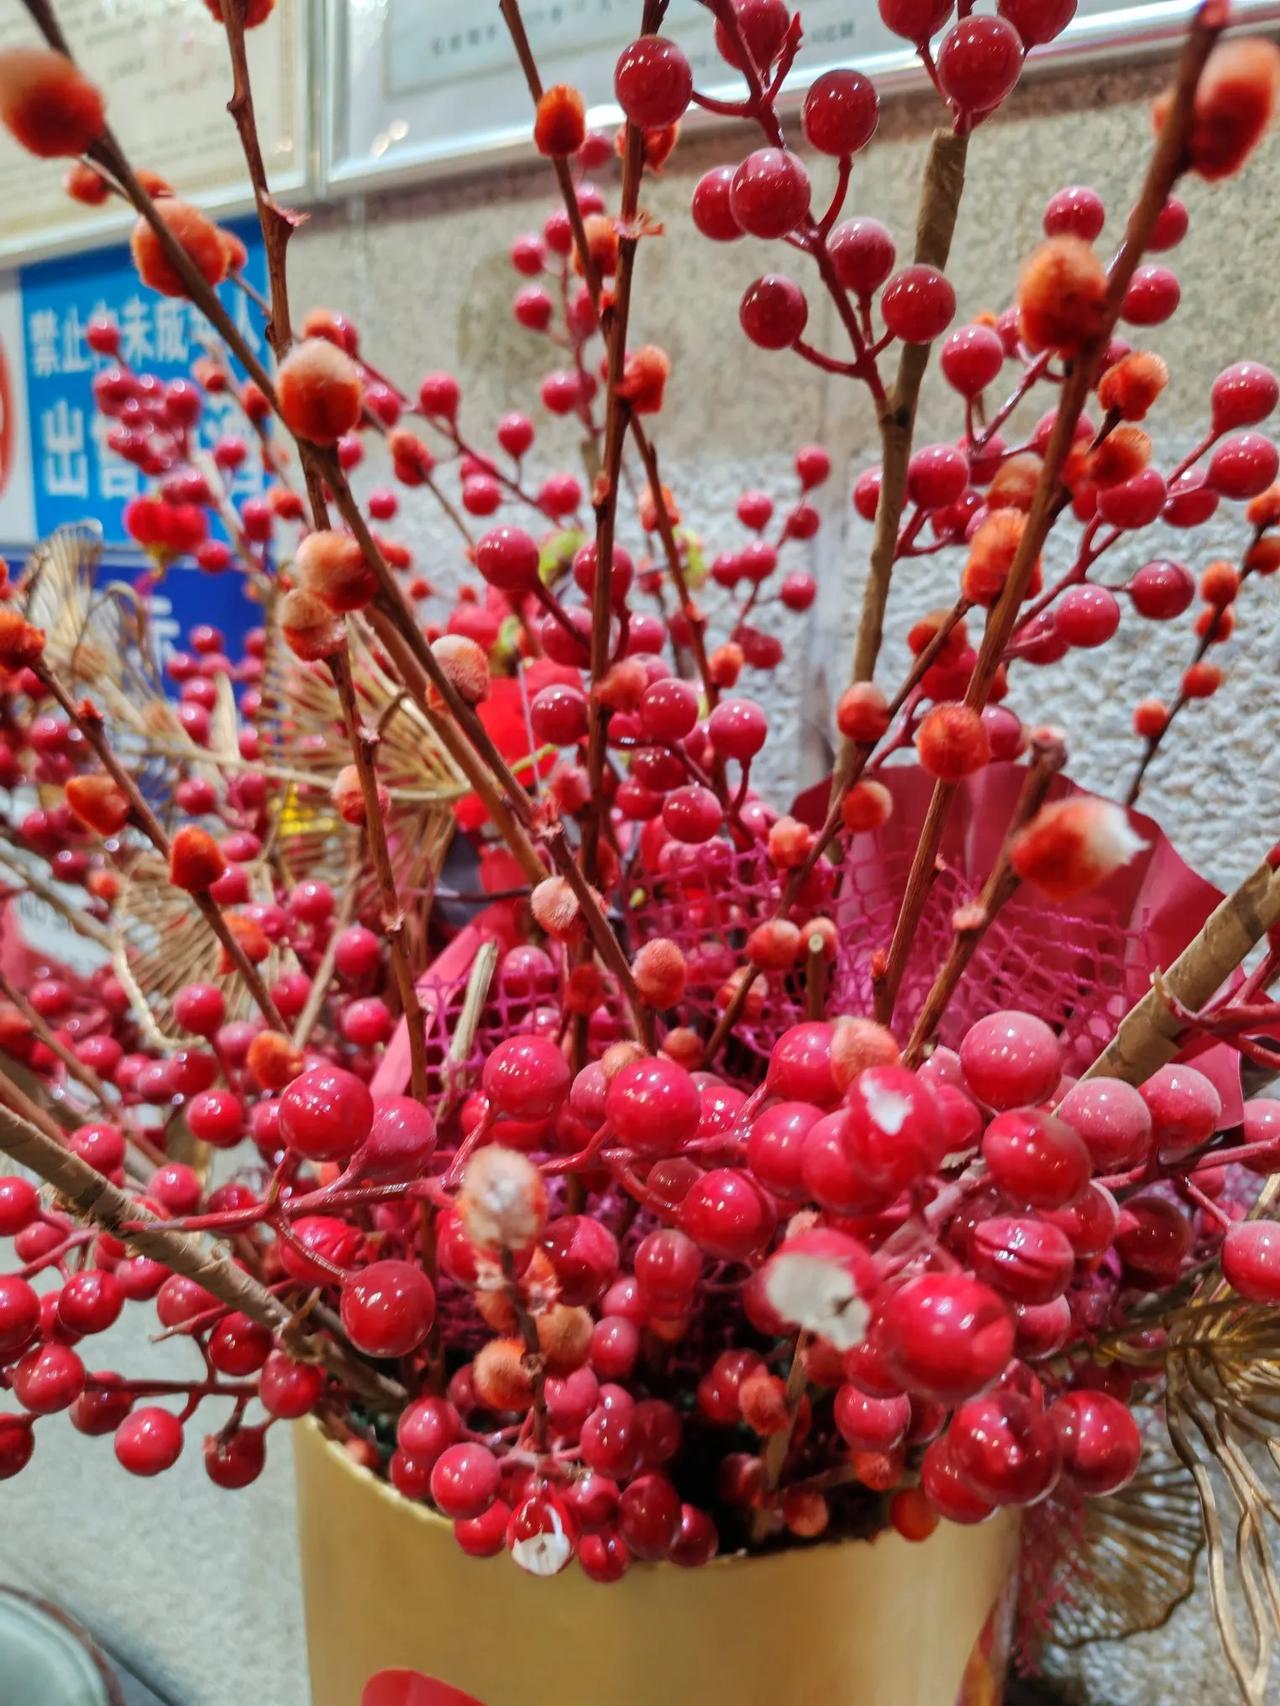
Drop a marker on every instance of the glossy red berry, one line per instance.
(149, 1441)
(979, 61)
(465, 1479)
(649, 1517)
(1099, 1440)
(1036, 1158)
(944, 1336)
(653, 81)
(325, 1114)
(769, 194)
(711, 207)
(387, 1308)
(526, 1077)
(918, 304)
(773, 311)
(1011, 1059)
(841, 111)
(727, 1214)
(1005, 1448)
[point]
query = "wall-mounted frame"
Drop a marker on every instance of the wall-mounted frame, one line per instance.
(176, 122)
(421, 89)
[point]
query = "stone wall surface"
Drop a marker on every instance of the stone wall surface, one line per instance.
(200, 1588)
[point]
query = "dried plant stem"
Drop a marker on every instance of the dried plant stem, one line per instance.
(80, 922)
(671, 546)
(89, 722)
(364, 742)
(1148, 1035)
(1047, 760)
(774, 1455)
(1167, 162)
(103, 1204)
(940, 194)
(323, 977)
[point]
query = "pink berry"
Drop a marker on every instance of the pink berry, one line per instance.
(1152, 296)
(653, 82)
(918, 304)
(1243, 395)
(387, 1308)
(800, 1068)
(711, 208)
(1251, 1260)
(507, 557)
(1029, 1260)
(1185, 1109)
(200, 1008)
(1243, 465)
(1036, 1158)
(465, 1480)
(653, 1106)
(871, 1424)
(1086, 616)
(1134, 503)
(944, 1336)
(979, 61)
(1099, 1440)
(770, 193)
(216, 1117)
(1262, 1126)
(773, 311)
(1113, 1120)
(863, 254)
(971, 359)
(917, 20)
(1162, 590)
(1011, 1059)
(1076, 211)
(325, 1114)
(737, 729)
(692, 814)
(841, 111)
(1005, 1448)
(526, 1077)
(727, 1214)
(149, 1441)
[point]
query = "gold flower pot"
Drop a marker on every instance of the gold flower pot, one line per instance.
(863, 1623)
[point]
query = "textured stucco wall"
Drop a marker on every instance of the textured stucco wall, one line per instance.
(200, 1588)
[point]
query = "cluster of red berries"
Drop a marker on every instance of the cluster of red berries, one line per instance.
(643, 1295)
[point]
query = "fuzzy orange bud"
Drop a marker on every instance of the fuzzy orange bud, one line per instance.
(1073, 845)
(1234, 101)
(866, 807)
(789, 843)
(1121, 455)
(952, 742)
(921, 634)
(311, 630)
(47, 105)
(659, 970)
(991, 552)
(21, 643)
(1216, 623)
(252, 940)
(1061, 295)
(1202, 680)
(555, 908)
(273, 1061)
(601, 233)
(83, 183)
(624, 686)
(560, 123)
(195, 859)
(725, 664)
(332, 566)
(503, 1201)
(806, 1512)
(684, 1046)
(754, 1002)
(858, 1043)
(862, 713)
(1131, 385)
(1015, 482)
(465, 666)
(564, 1334)
(1219, 584)
(1150, 718)
(774, 945)
(319, 390)
(762, 1398)
(500, 1377)
(648, 508)
(644, 378)
(348, 797)
(194, 233)
(1263, 558)
(98, 803)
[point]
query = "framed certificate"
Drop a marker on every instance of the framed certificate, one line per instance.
(164, 67)
(421, 88)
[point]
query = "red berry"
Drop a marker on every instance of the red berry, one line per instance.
(710, 206)
(863, 254)
(971, 358)
(1243, 466)
(1037, 21)
(19, 1204)
(1011, 1059)
(1185, 1109)
(288, 1389)
(918, 304)
(507, 557)
(1153, 1238)
(1162, 590)
(1036, 1158)
(465, 1480)
(238, 1345)
(773, 311)
(653, 82)
(727, 1214)
(841, 111)
(1099, 1440)
(978, 62)
(1077, 211)
(769, 194)
(917, 20)
(1152, 296)
(48, 1378)
(1243, 395)
(1086, 616)
(1005, 1448)
(1030, 1261)
(944, 1336)
(149, 1441)
(387, 1308)
(325, 1114)
(762, 25)
(89, 1302)
(526, 1077)
(1113, 1120)
(649, 1517)
(216, 1117)
(19, 1313)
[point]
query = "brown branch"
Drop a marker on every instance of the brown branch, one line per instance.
(671, 547)
(1167, 162)
(101, 1203)
(363, 744)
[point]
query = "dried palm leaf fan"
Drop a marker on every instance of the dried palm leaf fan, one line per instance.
(304, 738)
(1131, 1558)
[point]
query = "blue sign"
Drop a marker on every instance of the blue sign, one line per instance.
(75, 475)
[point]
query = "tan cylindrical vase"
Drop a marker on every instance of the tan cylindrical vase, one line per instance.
(855, 1623)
